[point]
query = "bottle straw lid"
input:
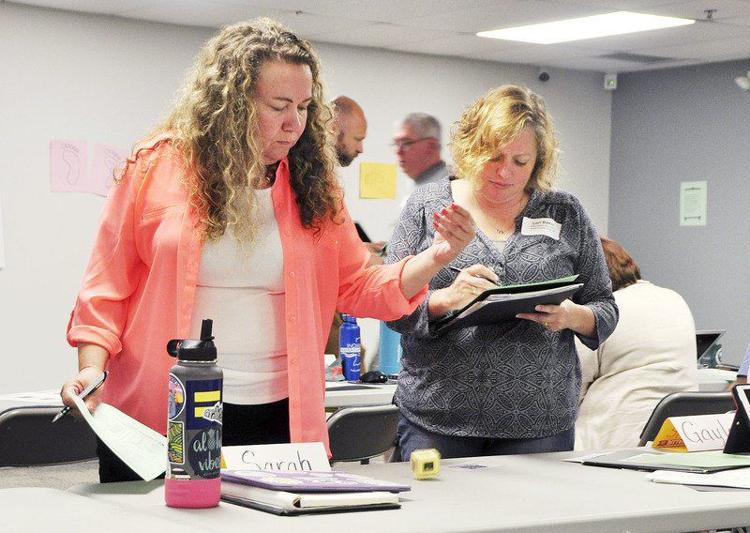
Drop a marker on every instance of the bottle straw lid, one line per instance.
(203, 349)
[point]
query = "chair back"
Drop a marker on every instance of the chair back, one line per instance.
(360, 433)
(28, 437)
(685, 404)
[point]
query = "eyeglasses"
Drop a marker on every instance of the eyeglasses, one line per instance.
(406, 144)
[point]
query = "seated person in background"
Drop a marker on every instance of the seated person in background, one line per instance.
(742, 372)
(651, 354)
(510, 387)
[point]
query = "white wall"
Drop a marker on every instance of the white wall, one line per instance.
(108, 80)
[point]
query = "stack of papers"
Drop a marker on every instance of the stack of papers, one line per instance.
(739, 478)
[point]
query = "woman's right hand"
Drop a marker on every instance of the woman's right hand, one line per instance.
(469, 283)
(73, 387)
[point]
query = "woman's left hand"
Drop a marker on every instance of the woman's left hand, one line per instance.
(454, 229)
(567, 315)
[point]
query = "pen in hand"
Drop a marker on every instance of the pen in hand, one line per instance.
(82, 395)
(456, 269)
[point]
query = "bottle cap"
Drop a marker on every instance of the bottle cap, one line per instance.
(192, 349)
(348, 318)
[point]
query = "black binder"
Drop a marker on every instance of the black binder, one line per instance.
(738, 440)
(505, 302)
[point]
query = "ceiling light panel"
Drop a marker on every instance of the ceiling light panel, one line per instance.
(577, 29)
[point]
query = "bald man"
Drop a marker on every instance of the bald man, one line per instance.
(350, 127)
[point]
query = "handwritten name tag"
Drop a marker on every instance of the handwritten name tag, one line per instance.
(693, 433)
(310, 456)
(541, 226)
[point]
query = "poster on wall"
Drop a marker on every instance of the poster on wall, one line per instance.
(2, 233)
(67, 166)
(108, 162)
(693, 203)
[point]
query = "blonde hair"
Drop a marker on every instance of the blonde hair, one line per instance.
(215, 125)
(496, 119)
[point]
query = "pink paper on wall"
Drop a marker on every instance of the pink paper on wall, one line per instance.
(107, 164)
(67, 166)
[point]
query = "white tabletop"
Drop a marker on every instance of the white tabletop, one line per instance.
(346, 394)
(529, 493)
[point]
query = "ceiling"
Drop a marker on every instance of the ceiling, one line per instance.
(447, 27)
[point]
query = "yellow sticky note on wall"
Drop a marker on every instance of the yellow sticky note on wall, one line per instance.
(377, 180)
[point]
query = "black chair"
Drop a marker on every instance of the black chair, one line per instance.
(28, 437)
(361, 433)
(685, 404)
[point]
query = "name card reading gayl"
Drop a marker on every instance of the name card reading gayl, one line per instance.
(694, 433)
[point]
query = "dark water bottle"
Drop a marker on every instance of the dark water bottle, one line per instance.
(350, 348)
(194, 423)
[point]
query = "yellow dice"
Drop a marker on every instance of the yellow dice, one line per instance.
(425, 464)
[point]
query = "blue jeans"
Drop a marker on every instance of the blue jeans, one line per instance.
(412, 437)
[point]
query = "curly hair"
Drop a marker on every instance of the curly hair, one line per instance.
(496, 119)
(215, 126)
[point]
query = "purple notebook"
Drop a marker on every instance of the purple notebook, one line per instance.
(311, 481)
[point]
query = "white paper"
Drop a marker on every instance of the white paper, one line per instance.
(693, 203)
(285, 457)
(739, 478)
(2, 233)
(140, 447)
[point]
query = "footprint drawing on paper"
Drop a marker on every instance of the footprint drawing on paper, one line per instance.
(112, 162)
(71, 157)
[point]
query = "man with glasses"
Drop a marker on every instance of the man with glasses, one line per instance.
(417, 144)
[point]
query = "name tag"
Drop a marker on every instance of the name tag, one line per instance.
(541, 226)
(694, 433)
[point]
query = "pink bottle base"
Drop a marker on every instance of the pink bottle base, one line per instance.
(192, 493)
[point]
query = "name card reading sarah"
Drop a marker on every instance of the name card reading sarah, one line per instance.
(694, 433)
(301, 456)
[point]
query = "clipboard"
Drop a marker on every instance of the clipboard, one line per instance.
(648, 460)
(504, 303)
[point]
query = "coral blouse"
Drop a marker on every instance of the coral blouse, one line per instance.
(139, 287)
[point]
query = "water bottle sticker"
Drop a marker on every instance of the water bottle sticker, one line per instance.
(203, 395)
(205, 453)
(176, 442)
(214, 413)
(176, 396)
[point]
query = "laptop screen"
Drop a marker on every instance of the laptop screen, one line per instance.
(705, 339)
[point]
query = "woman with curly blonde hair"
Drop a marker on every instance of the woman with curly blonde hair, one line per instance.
(509, 387)
(230, 210)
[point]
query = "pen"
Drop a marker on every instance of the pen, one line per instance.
(83, 395)
(456, 269)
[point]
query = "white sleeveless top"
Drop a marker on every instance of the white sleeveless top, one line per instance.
(242, 290)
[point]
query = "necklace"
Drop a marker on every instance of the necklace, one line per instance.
(500, 229)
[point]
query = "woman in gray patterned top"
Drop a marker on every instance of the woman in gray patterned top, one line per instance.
(510, 387)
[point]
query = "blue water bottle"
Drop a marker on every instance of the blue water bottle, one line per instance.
(350, 348)
(390, 351)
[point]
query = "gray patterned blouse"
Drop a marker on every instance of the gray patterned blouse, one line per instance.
(514, 379)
